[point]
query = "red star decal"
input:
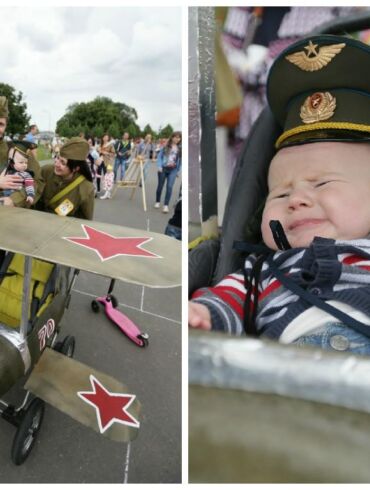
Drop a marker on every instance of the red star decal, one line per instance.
(108, 246)
(110, 407)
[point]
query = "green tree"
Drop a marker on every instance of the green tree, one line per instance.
(114, 130)
(102, 112)
(98, 131)
(148, 130)
(166, 131)
(133, 130)
(19, 120)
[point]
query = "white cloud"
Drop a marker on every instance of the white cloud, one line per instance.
(58, 56)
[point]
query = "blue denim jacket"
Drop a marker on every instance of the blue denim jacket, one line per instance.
(162, 160)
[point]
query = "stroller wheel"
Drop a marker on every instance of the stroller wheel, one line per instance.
(95, 306)
(27, 431)
(114, 300)
(66, 346)
(144, 339)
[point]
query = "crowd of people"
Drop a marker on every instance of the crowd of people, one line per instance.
(108, 160)
(84, 168)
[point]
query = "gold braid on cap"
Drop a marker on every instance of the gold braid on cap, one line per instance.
(319, 58)
(321, 125)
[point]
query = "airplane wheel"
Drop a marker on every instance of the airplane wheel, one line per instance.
(68, 346)
(27, 431)
(144, 339)
(114, 300)
(95, 306)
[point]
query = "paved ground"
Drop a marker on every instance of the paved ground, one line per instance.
(67, 452)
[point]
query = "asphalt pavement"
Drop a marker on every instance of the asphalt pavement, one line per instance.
(67, 452)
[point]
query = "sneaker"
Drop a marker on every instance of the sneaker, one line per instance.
(157, 205)
(106, 196)
(165, 209)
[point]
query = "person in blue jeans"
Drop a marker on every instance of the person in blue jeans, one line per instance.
(174, 225)
(169, 166)
(145, 152)
(123, 153)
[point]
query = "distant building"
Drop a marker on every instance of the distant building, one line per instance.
(45, 137)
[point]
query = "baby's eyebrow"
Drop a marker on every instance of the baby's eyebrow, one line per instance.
(309, 177)
(279, 186)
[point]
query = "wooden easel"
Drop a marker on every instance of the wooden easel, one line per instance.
(133, 176)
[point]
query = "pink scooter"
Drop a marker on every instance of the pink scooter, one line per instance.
(127, 326)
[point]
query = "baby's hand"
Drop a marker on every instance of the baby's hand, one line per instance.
(6, 201)
(199, 316)
(30, 199)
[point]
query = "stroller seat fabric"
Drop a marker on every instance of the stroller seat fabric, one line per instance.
(11, 288)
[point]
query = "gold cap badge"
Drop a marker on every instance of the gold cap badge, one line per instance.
(315, 60)
(318, 107)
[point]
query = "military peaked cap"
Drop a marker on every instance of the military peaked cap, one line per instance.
(319, 90)
(22, 146)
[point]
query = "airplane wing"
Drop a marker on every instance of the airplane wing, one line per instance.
(131, 255)
(92, 398)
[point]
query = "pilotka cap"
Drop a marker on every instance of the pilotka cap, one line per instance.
(75, 149)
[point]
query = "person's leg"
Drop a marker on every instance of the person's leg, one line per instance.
(170, 182)
(110, 182)
(104, 187)
(173, 231)
(146, 168)
(123, 169)
(99, 178)
(117, 163)
(161, 180)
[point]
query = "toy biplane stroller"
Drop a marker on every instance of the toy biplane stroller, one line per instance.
(22, 335)
(35, 287)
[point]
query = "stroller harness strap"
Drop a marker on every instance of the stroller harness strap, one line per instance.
(305, 295)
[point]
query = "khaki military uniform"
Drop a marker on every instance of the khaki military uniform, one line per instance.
(19, 197)
(3, 154)
(82, 197)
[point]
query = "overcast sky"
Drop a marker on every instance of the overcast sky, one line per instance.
(60, 55)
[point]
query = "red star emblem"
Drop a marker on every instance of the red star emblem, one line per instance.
(108, 246)
(110, 407)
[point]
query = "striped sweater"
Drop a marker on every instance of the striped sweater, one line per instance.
(28, 183)
(334, 270)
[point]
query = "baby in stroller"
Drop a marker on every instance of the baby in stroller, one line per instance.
(309, 283)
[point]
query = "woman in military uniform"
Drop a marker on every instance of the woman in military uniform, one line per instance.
(69, 190)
